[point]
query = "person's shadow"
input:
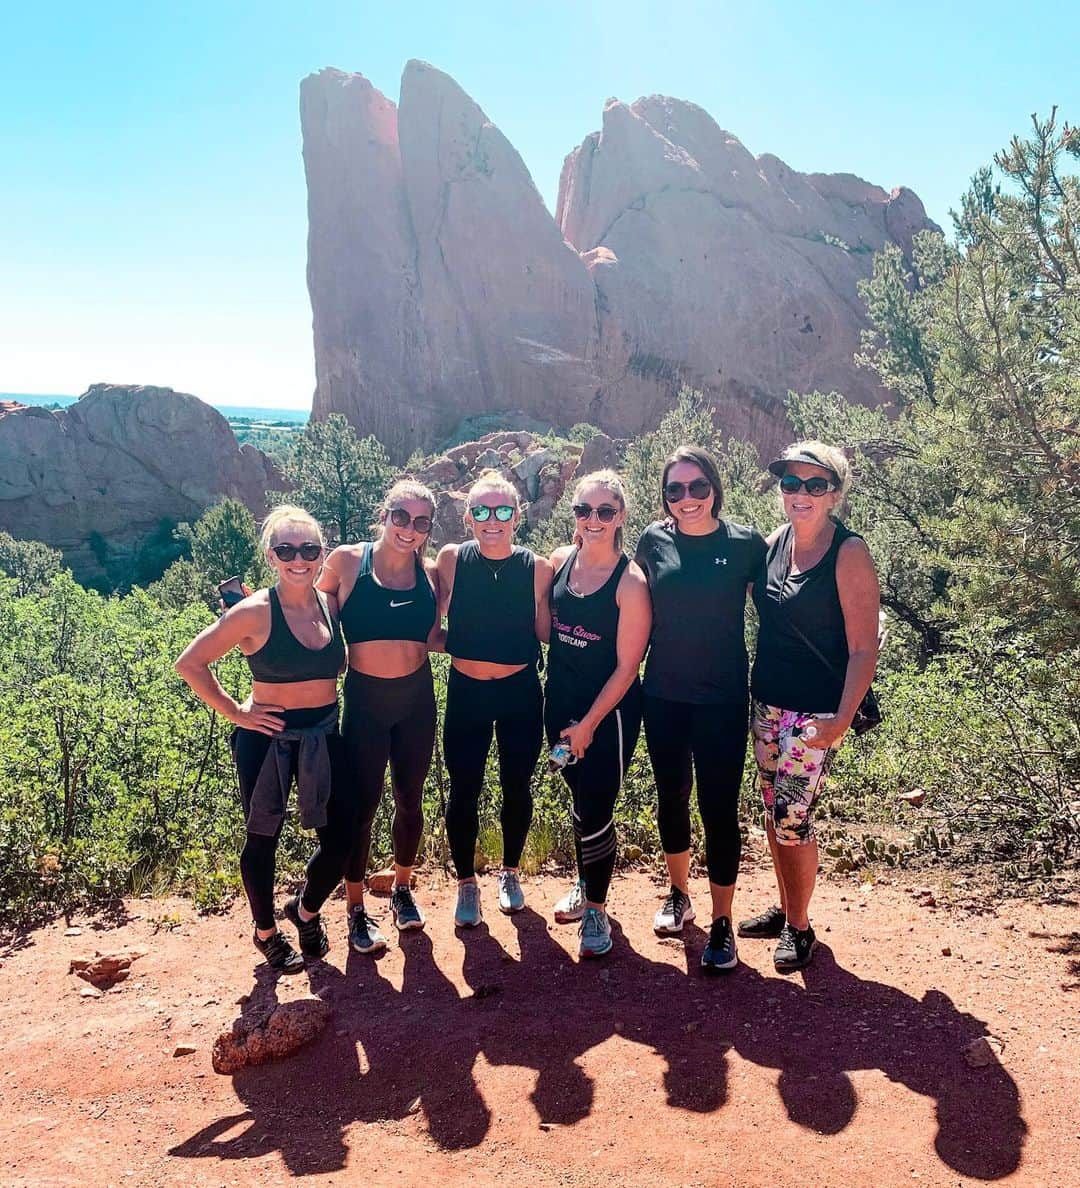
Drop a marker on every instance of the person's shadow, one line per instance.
(389, 1053)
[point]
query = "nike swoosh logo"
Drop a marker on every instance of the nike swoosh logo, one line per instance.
(393, 603)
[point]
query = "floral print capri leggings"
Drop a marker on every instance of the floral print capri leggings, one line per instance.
(791, 771)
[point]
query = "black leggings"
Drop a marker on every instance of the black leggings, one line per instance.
(514, 707)
(713, 739)
(388, 720)
(257, 859)
(595, 781)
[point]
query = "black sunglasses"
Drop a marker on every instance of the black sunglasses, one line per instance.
(309, 551)
(696, 488)
(817, 486)
(400, 518)
(482, 513)
(605, 513)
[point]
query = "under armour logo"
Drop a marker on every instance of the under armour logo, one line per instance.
(720, 561)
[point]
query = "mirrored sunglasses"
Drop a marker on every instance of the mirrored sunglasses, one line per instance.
(503, 513)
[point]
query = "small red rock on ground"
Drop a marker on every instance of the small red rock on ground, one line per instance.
(495, 1057)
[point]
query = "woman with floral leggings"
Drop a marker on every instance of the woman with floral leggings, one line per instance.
(817, 602)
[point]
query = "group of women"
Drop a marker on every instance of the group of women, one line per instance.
(681, 600)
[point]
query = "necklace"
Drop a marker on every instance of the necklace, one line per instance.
(494, 568)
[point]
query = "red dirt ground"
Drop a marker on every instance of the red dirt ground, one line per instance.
(495, 1057)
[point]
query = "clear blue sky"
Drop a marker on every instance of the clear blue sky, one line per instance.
(152, 202)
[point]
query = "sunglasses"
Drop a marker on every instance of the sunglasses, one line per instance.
(400, 518)
(605, 513)
(481, 513)
(309, 551)
(697, 489)
(817, 486)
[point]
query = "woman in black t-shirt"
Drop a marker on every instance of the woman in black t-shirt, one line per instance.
(699, 568)
(600, 621)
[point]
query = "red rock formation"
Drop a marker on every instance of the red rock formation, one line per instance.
(110, 468)
(441, 287)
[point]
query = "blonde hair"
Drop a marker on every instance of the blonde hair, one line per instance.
(613, 484)
(494, 480)
(405, 488)
(288, 513)
(831, 458)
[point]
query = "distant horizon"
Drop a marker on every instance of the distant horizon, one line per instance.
(271, 410)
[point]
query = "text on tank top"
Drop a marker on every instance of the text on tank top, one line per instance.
(283, 659)
(584, 633)
(492, 612)
(373, 611)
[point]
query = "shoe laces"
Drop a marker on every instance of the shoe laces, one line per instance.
(469, 894)
(402, 898)
(277, 946)
(591, 923)
(719, 932)
(508, 881)
(671, 904)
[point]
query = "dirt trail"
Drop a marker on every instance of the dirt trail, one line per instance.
(496, 1057)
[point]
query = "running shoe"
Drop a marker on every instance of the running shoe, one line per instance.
(279, 954)
(794, 949)
(571, 907)
(676, 912)
(313, 939)
(769, 924)
(595, 933)
(511, 896)
(364, 934)
(406, 914)
(720, 954)
(467, 913)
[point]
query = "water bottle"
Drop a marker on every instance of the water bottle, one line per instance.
(561, 756)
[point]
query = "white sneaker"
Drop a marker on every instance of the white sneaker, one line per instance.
(511, 896)
(677, 911)
(571, 907)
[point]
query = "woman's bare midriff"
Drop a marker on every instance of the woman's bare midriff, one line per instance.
(295, 694)
(387, 658)
(484, 670)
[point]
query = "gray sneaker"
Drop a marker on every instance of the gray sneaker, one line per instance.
(406, 914)
(571, 907)
(364, 934)
(467, 913)
(595, 933)
(511, 896)
(676, 912)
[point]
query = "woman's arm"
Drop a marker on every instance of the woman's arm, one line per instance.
(244, 622)
(860, 600)
(631, 640)
(436, 640)
(542, 578)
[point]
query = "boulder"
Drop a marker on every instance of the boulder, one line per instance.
(96, 479)
(442, 288)
(269, 1034)
(104, 970)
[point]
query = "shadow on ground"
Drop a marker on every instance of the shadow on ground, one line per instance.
(389, 1053)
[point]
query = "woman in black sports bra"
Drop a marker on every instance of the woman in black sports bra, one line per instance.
(601, 617)
(387, 594)
(495, 598)
(287, 727)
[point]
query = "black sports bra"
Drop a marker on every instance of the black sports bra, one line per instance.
(373, 611)
(283, 659)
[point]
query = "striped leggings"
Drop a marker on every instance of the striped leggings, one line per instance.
(594, 783)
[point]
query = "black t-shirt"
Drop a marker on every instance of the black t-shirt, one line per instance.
(698, 584)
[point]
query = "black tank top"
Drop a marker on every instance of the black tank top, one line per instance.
(492, 613)
(582, 654)
(376, 612)
(283, 659)
(786, 672)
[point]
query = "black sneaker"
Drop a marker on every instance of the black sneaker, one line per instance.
(769, 924)
(720, 954)
(313, 939)
(795, 948)
(279, 954)
(406, 914)
(676, 912)
(364, 934)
